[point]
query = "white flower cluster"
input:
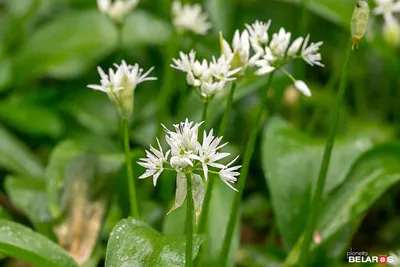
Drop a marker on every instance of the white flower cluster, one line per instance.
(117, 9)
(189, 18)
(250, 48)
(391, 27)
(186, 155)
(209, 77)
(120, 85)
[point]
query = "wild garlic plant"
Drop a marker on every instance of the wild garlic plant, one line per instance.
(120, 85)
(192, 161)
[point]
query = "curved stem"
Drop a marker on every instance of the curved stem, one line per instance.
(243, 175)
(189, 223)
(319, 189)
(129, 171)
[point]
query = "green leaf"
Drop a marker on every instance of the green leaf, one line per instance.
(55, 171)
(16, 156)
(22, 243)
(142, 28)
(4, 214)
(29, 195)
(371, 175)
(291, 162)
(31, 119)
(94, 111)
(134, 243)
(67, 46)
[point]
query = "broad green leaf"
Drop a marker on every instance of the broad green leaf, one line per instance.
(67, 46)
(22, 243)
(29, 195)
(94, 111)
(31, 119)
(291, 162)
(4, 214)
(16, 157)
(62, 154)
(143, 28)
(134, 243)
(371, 175)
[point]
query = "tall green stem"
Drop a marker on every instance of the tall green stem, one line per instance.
(243, 175)
(189, 222)
(319, 189)
(129, 171)
(210, 184)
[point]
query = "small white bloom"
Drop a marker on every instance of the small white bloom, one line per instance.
(189, 18)
(280, 42)
(117, 9)
(386, 8)
(310, 53)
(121, 84)
(264, 64)
(211, 88)
(258, 32)
(221, 69)
(229, 175)
(153, 163)
(186, 61)
(295, 47)
(302, 87)
(209, 154)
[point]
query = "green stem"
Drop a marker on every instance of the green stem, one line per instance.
(319, 189)
(224, 122)
(129, 171)
(189, 223)
(204, 115)
(243, 175)
(210, 184)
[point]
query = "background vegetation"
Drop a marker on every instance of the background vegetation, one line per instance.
(49, 50)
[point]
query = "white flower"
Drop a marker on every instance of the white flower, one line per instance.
(264, 64)
(189, 18)
(210, 88)
(295, 47)
(386, 8)
(188, 156)
(310, 54)
(221, 69)
(229, 175)
(209, 154)
(280, 42)
(186, 61)
(117, 9)
(240, 51)
(121, 84)
(153, 163)
(258, 32)
(184, 144)
(302, 87)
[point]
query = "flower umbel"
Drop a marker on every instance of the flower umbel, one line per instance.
(120, 85)
(117, 9)
(189, 18)
(187, 156)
